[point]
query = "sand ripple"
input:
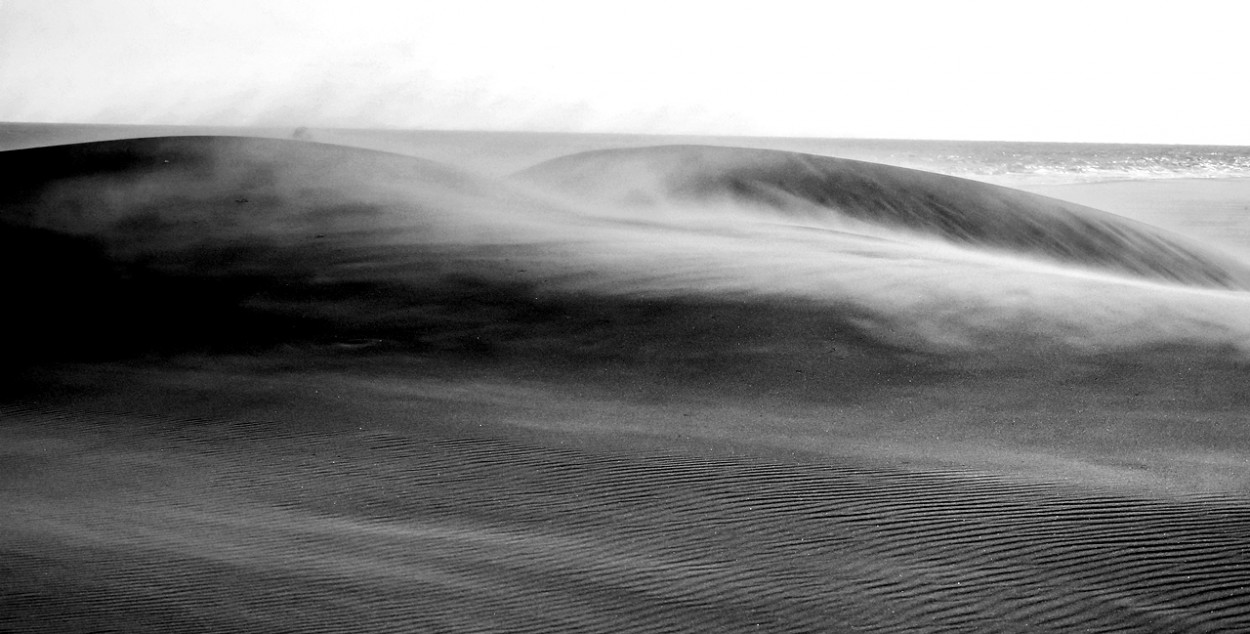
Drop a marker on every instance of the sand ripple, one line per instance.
(249, 526)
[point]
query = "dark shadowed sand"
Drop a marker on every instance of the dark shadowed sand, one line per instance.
(272, 386)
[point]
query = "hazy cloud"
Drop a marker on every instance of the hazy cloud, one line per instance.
(1111, 71)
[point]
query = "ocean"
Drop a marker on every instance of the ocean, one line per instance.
(319, 380)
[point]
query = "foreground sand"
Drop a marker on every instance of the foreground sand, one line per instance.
(267, 499)
(311, 389)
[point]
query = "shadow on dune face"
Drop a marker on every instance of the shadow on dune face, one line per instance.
(70, 301)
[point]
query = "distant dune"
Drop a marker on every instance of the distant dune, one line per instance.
(816, 187)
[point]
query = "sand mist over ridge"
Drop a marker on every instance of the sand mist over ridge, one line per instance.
(288, 229)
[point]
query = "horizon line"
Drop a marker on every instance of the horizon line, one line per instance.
(602, 133)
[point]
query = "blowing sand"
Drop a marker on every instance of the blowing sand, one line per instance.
(305, 388)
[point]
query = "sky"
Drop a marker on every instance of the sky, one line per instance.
(1032, 70)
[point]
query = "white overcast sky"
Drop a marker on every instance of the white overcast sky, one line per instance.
(1045, 70)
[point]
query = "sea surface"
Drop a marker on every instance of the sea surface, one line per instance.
(313, 380)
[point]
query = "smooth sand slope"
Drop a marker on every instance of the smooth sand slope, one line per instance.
(266, 385)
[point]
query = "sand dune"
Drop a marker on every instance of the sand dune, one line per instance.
(162, 238)
(272, 385)
(308, 238)
(963, 211)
